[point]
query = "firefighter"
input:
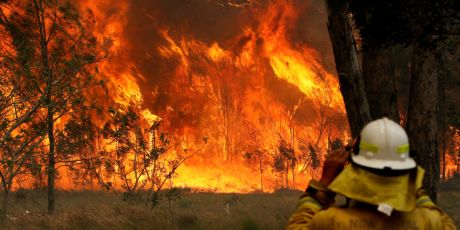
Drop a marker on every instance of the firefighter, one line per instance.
(382, 186)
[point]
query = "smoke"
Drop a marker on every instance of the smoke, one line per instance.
(208, 22)
(215, 68)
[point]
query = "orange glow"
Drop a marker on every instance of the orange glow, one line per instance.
(227, 103)
(248, 104)
(452, 155)
(221, 166)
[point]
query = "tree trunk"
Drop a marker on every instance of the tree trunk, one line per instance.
(443, 125)
(348, 70)
(48, 75)
(4, 207)
(51, 161)
(380, 83)
(293, 174)
(261, 171)
(287, 173)
(443, 129)
(422, 123)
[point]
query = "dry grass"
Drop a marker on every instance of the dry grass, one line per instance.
(449, 198)
(105, 210)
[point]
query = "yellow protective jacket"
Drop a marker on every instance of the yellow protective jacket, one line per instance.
(311, 215)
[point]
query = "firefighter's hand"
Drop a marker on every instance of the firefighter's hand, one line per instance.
(333, 165)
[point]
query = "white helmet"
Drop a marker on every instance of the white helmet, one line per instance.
(384, 144)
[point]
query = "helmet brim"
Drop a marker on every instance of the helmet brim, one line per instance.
(403, 164)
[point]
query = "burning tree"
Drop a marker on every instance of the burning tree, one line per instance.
(144, 157)
(284, 161)
(311, 157)
(130, 150)
(78, 149)
(52, 48)
(198, 83)
(22, 130)
(166, 158)
(257, 152)
(66, 49)
(22, 125)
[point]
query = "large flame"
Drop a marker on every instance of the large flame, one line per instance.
(451, 157)
(244, 93)
(247, 99)
(249, 103)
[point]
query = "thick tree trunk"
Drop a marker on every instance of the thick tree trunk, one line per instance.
(380, 83)
(422, 123)
(346, 60)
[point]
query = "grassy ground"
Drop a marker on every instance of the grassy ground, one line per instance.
(449, 198)
(105, 210)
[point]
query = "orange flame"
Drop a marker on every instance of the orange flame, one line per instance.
(245, 95)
